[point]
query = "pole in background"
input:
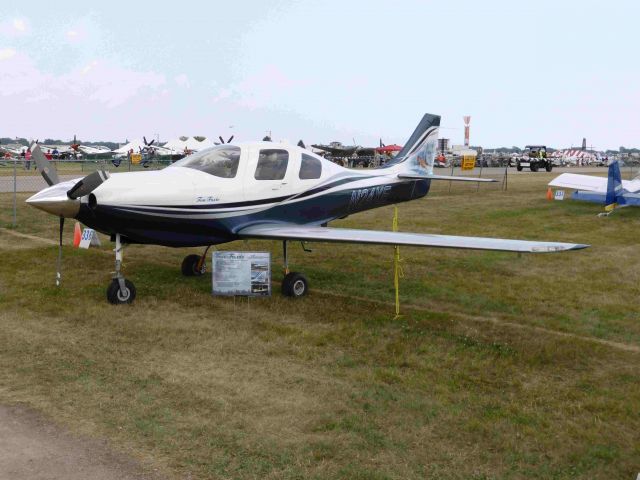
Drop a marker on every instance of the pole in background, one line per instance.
(15, 193)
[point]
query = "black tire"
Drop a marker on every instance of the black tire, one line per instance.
(534, 167)
(294, 285)
(190, 266)
(549, 167)
(117, 297)
(518, 167)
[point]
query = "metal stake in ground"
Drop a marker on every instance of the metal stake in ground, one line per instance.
(15, 193)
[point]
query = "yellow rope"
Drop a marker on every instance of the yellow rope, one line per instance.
(397, 268)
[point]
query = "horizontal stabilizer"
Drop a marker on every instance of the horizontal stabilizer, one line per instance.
(325, 234)
(417, 176)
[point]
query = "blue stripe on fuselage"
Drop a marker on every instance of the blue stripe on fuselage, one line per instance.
(180, 228)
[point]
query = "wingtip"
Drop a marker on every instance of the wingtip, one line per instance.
(579, 246)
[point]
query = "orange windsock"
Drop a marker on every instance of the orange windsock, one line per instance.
(549, 194)
(77, 234)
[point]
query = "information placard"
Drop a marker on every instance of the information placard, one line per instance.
(559, 195)
(241, 273)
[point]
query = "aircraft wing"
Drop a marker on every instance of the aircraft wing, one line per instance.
(418, 176)
(326, 234)
(580, 182)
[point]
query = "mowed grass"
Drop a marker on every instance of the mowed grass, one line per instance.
(463, 385)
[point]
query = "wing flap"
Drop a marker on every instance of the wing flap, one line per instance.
(325, 234)
(417, 176)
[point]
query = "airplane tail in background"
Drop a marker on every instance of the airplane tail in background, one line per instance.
(614, 186)
(419, 153)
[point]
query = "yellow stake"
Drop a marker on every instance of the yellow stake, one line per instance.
(397, 269)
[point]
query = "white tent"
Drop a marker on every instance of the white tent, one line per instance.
(134, 145)
(190, 143)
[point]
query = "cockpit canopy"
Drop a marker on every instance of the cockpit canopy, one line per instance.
(221, 161)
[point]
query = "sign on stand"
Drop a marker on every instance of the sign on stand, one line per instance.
(559, 195)
(89, 237)
(241, 273)
(468, 162)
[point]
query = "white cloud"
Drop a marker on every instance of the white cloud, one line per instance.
(15, 27)
(97, 82)
(7, 53)
(19, 25)
(183, 80)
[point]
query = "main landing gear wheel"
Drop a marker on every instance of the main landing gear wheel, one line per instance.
(294, 285)
(120, 296)
(191, 266)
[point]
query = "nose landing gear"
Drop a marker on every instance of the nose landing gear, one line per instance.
(120, 290)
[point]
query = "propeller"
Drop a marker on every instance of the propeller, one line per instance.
(222, 142)
(47, 169)
(148, 144)
(88, 184)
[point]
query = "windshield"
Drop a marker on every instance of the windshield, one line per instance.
(221, 161)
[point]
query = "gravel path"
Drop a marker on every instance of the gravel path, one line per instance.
(33, 448)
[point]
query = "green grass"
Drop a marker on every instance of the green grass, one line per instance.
(471, 381)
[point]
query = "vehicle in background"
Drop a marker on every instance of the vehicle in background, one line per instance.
(535, 158)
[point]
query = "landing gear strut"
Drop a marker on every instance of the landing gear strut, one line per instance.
(120, 291)
(294, 284)
(195, 265)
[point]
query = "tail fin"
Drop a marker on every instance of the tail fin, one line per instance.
(420, 150)
(614, 186)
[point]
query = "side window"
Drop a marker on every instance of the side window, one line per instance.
(272, 164)
(310, 167)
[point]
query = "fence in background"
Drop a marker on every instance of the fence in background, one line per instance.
(19, 178)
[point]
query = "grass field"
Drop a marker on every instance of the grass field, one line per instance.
(500, 367)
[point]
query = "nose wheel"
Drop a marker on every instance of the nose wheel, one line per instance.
(120, 290)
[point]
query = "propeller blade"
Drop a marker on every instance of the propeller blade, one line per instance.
(301, 144)
(88, 184)
(47, 169)
(145, 140)
(221, 139)
(230, 138)
(59, 269)
(151, 142)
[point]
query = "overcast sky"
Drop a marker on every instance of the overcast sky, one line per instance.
(527, 72)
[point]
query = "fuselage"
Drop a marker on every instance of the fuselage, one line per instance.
(207, 197)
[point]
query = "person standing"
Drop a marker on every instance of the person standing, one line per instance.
(27, 158)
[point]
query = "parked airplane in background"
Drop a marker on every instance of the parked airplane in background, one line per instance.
(256, 190)
(611, 192)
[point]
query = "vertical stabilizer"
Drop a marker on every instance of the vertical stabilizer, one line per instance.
(614, 186)
(418, 154)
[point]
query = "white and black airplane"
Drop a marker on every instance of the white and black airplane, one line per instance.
(256, 190)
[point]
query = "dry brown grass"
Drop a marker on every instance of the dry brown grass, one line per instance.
(332, 387)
